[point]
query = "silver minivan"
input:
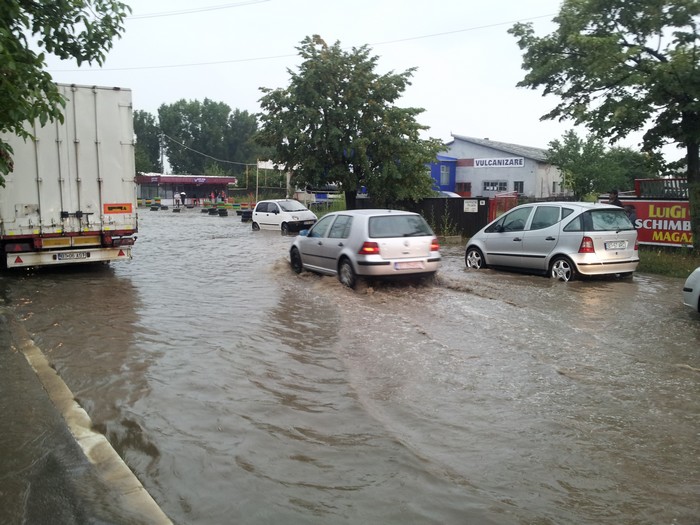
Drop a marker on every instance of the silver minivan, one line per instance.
(561, 239)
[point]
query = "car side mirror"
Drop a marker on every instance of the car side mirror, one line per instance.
(304, 233)
(500, 228)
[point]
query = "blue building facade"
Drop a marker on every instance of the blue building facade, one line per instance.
(444, 173)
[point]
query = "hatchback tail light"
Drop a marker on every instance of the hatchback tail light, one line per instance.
(369, 248)
(586, 246)
(434, 245)
(636, 245)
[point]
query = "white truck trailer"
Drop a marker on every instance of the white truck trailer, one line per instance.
(71, 197)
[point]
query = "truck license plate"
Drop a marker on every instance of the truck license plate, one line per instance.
(616, 245)
(72, 255)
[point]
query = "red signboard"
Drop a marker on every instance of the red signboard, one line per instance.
(661, 222)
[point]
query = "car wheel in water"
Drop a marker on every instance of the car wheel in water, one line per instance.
(285, 228)
(295, 258)
(474, 259)
(346, 275)
(256, 227)
(562, 269)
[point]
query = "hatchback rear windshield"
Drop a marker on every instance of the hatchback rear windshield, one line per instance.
(601, 220)
(398, 226)
(292, 206)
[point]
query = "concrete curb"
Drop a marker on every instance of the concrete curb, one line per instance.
(129, 490)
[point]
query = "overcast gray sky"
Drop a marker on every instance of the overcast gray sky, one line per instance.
(468, 65)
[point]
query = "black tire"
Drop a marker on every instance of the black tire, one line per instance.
(474, 259)
(563, 269)
(295, 258)
(256, 227)
(346, 274)
(285, 228)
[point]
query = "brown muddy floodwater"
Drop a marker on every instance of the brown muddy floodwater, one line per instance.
(239, 392)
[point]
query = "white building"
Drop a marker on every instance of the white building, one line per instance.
(485, 168)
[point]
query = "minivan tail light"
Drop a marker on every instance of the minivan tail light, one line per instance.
(434, 245)
(586, 246)
(369, 248)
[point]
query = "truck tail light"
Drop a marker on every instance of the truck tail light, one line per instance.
(586, 246)
(369, 248)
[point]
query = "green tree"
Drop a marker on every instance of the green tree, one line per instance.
(207, 137)
(78, 29)
(336, 123)
(147, 151)
(631, 164)
(621, 66)
(194, 133)
(582, 163)
(588, 168)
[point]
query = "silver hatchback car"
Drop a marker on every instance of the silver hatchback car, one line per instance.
(561, 239)
(370, 243)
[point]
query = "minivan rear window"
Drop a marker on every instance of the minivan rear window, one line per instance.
(609, 220)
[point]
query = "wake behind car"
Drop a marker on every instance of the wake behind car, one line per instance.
(562, 239)
(369, 243)
(691, 290)
(285, 215)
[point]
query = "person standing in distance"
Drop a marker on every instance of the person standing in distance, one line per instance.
(614, 199)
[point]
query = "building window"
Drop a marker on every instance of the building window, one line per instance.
(444, 175)
(463, 187)
(519, 186)
(495, 185)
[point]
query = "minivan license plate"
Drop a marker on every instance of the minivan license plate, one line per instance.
(616, 245)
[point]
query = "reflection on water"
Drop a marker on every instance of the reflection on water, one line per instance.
(241, 392)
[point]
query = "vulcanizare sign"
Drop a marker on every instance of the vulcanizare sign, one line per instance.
(500, 162)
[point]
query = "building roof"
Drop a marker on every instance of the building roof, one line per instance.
(538, 154)
(157, 178)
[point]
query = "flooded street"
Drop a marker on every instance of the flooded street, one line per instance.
(239, 392)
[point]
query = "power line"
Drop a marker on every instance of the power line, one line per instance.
(204, 154)
(274, 57)
(195, 10)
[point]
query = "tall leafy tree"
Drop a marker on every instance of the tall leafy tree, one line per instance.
(207, 137)
(620, 66)
(148, 147)
(588, 167)
(79, 29)
(582, 163)
(194, 133)
(631, 164)
(337, 123)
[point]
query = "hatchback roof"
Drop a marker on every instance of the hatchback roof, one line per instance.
(377, 212)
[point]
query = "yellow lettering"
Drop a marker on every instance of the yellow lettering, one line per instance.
(674, 237)
(678, 212)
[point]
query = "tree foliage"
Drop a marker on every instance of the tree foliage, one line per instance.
(78, 29)
(207, 137)
(337, 123)
(588, 167)
(147, 151)
(621, 66)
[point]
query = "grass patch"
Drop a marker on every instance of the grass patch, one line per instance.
(671, 262)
